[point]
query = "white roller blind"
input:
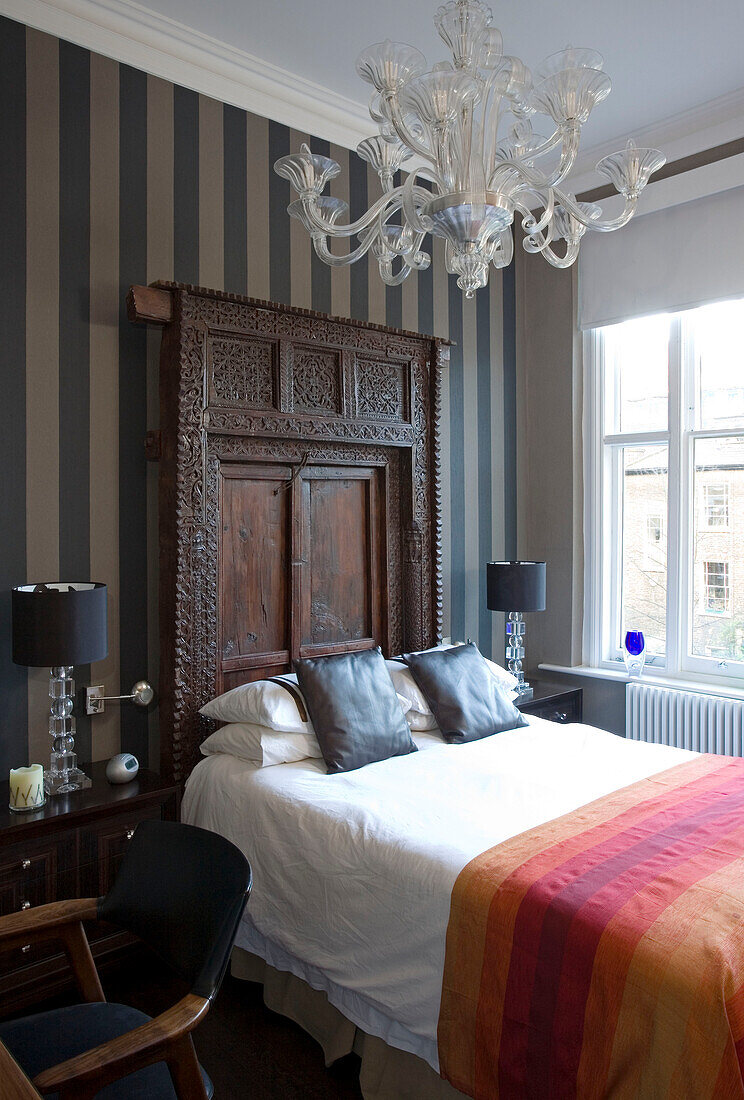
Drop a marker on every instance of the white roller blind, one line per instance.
(663, 262)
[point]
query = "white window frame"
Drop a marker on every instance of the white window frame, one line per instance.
(602, 556)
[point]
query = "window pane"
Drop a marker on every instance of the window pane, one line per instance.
(718, 565)
(644, 473)
(719, 364)
(636, 356)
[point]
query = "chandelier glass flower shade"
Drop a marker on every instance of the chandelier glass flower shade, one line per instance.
(476, 163)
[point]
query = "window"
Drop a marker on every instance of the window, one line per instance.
(654, 552)
(664, 488)
(654, 524)
(716, 504)
(717, 587)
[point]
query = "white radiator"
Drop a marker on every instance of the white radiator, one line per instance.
(685, 719)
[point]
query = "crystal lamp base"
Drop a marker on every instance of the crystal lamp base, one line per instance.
(63, 774)
(515, 631)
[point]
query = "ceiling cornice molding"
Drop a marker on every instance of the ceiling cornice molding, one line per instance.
(137, 36)
(705, 127)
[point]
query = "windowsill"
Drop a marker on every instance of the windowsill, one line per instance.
(655, 677)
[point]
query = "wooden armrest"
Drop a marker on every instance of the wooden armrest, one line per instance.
(15, 1083)
(151, 1042)
(45, 921)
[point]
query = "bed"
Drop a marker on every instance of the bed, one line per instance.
(299, 518)
(354, 872)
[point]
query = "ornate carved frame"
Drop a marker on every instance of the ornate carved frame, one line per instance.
(341, 392)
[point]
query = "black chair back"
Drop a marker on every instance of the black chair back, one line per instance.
(182, 890)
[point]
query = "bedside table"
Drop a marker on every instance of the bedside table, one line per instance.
(71, 848)
(555, 702)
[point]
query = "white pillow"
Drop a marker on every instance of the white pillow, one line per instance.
(261, 703)
(261, 745)
(267, 705)
(419, 714)
(431, 739)
(420, 723)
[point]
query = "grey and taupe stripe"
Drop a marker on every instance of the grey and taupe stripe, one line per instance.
(110, 177)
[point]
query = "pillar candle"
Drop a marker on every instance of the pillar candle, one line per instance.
(27, 788)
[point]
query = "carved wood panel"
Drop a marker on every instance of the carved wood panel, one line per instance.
(242, 372)
(316, 380)
(347, 433)
(381, 388)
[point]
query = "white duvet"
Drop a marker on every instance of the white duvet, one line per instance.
(353, 872)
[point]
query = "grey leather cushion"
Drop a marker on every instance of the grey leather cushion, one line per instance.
(354, 709)
(464, 696)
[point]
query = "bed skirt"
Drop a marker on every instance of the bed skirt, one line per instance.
(386, 1072)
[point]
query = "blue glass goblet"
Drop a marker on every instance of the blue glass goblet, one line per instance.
(635, 652)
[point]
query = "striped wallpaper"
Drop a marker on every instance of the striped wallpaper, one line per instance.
(108, 177)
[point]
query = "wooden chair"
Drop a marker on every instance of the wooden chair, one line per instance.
(15, 1083)
(180, 889)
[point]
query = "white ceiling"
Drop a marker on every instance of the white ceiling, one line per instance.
(665, 57)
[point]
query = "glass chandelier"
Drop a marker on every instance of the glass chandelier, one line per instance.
(466, 125)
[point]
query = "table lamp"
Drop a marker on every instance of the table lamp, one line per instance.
(514, 587)
(59, 625)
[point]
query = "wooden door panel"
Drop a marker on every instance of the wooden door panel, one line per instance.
(340, 598)
(255, 557)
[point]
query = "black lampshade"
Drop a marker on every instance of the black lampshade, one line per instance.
(59, 624)
(515, 585)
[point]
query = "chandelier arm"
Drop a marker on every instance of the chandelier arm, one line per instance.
(537, 178)
(569, 150)
(416, 146)
(547, 146)
(398, 278)
(610, 224)
(534, 180)
(414, 254)
(505, 252)
(320, 244)
(321, 225)
(410, 212)
(491, 122)
(572, 207)
(572, 252)
(443, 156)
(537, 242)
(465, 148)
(530, 224)
(493, 111)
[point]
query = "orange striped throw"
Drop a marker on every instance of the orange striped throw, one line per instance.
(602, 954)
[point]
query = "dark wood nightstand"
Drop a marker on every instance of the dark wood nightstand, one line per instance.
(555, 702)
(71, 848)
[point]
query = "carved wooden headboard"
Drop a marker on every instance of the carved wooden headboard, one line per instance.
(299, 494)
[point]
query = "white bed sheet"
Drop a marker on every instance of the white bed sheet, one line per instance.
(353, 872)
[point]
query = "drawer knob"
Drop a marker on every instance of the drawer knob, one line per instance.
(130, 834)
(25, 905)
(26, 948)
(25, 864)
